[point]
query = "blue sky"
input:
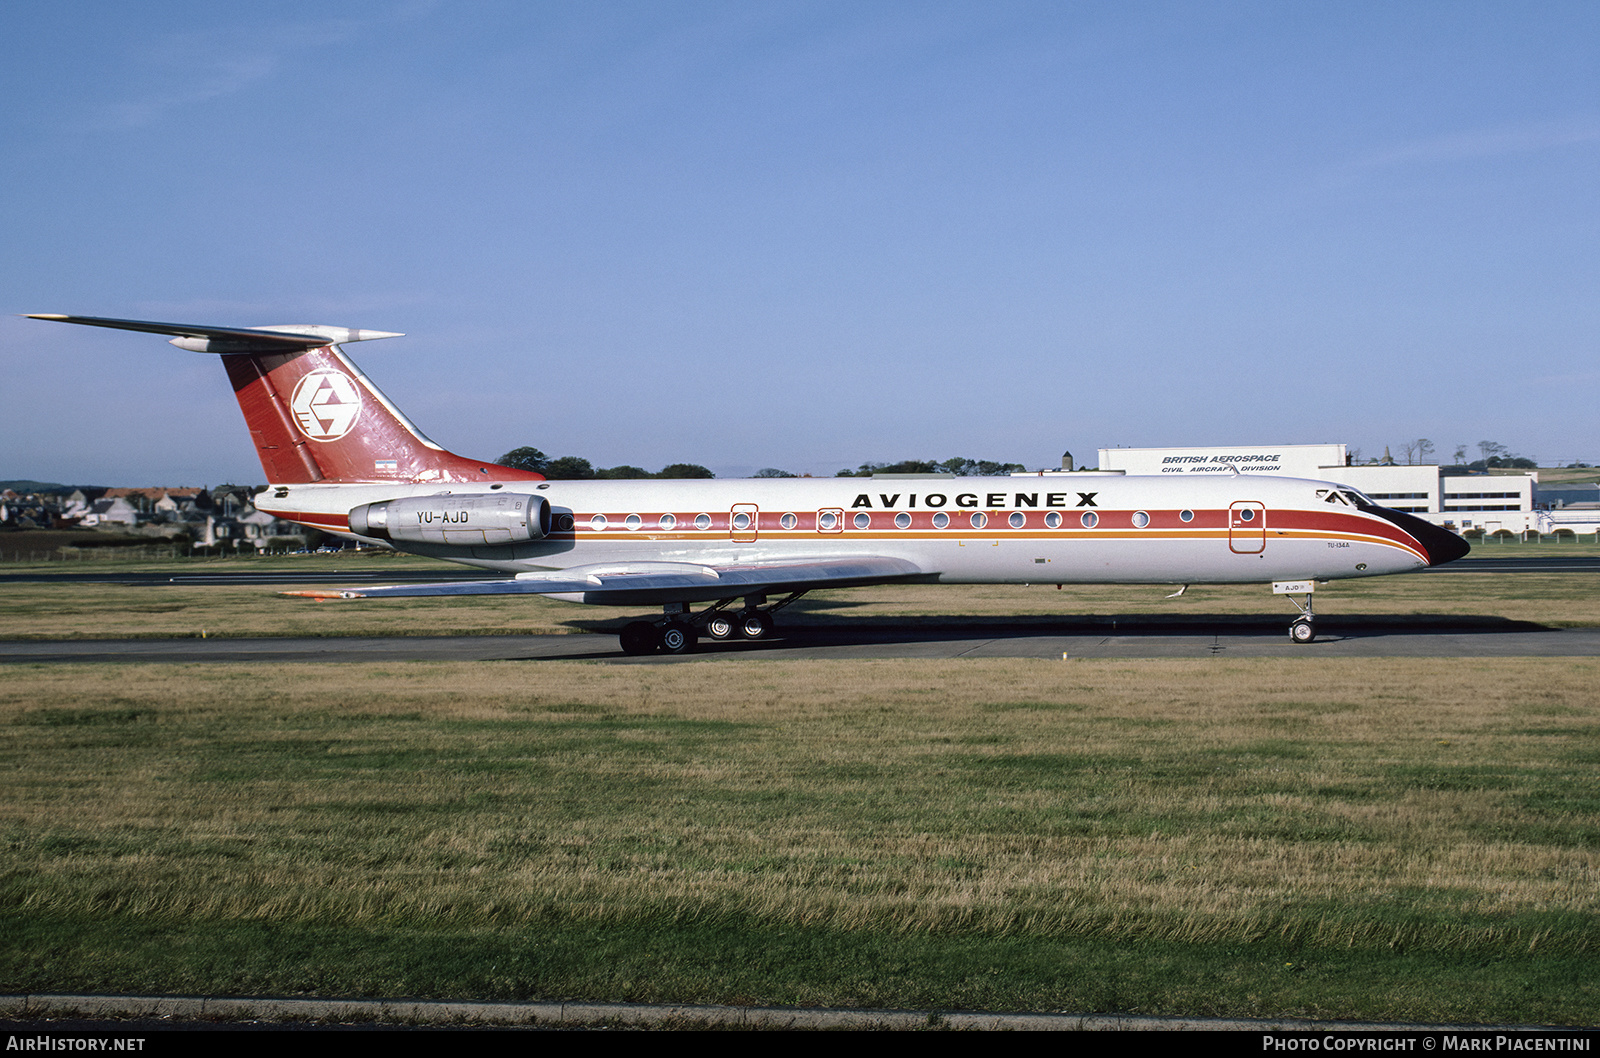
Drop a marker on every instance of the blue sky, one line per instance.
(807, 235)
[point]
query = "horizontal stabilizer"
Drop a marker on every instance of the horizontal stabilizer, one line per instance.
(313, 415)
(203, 339)
(642, 583)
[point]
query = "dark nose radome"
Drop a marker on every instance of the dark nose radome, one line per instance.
(1441, 544)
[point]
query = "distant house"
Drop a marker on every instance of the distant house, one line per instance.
(74, 505)
(162, 500)
(258, 525)
(253, 527)
(116, 511)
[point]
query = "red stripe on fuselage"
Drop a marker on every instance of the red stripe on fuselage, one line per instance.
(1341, 523)
(339, 522)
(1164, 524)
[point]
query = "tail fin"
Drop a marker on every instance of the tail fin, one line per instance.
(311, 412)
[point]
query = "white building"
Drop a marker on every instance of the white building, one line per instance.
(1489, 503)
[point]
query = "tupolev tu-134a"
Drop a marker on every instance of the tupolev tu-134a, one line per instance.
(340, 457)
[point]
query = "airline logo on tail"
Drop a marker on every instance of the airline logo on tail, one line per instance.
(326, 405)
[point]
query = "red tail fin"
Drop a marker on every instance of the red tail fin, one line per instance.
(313, 415)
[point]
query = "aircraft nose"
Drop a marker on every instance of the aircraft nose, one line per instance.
(1443, 546)
(1440, 544)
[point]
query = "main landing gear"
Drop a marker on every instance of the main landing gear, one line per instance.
(679, 631)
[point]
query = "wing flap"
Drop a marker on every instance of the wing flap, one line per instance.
(639, 583)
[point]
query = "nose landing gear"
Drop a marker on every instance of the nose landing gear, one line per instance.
(1304, 628)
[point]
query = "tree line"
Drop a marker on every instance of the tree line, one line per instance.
(1420, 451)
(961, 468)
(576, 468)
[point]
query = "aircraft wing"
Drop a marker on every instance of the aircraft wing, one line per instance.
(643, 583)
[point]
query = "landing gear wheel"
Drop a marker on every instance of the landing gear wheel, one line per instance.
(678, 638)
(721, 626)
(755, 624)
(1302, 631)
(640, 637)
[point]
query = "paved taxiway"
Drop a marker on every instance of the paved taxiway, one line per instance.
(843, 642)
(127, 1015)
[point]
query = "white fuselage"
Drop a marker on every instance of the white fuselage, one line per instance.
(1078, 528)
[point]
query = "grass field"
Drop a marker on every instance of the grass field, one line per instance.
(1406, 840)
(1383, 839)
(1567, 475)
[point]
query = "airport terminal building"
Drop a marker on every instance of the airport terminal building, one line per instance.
(1488, 503)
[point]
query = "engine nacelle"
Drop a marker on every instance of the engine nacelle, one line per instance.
(461, 520)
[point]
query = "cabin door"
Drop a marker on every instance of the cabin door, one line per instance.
(1247, 528)
(742, 523)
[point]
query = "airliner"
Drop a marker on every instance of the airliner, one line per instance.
(341, 458)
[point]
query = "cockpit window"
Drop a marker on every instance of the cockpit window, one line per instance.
(1356, 496)
(1345, 495)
